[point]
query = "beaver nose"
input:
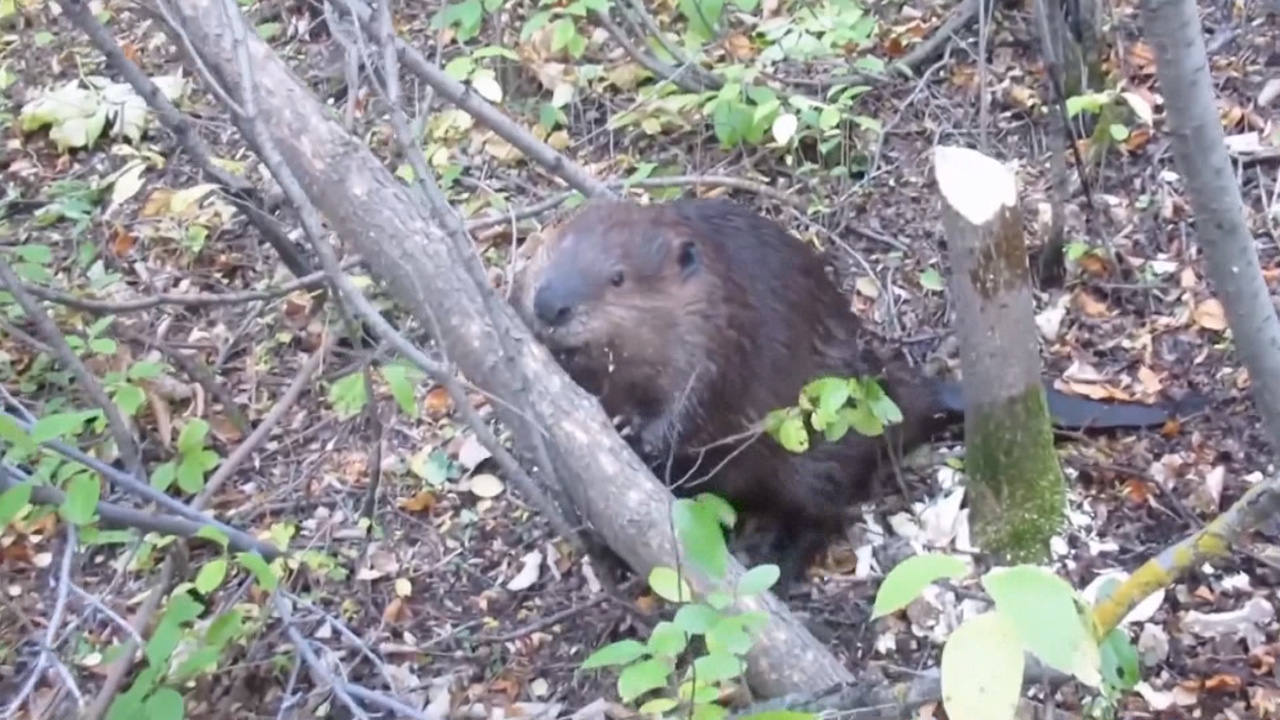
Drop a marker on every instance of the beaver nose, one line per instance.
(552, 306)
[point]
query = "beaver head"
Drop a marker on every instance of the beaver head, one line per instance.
(623, 297)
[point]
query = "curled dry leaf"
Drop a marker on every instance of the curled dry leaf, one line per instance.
(1210, 315)
(423, 501)
(1090, 305)
(529, 572)
(437, 403)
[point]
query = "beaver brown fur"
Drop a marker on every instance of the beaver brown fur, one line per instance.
(691, 321)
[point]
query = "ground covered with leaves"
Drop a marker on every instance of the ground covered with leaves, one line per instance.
(471, 602)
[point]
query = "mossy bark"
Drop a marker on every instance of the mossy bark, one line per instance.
(1016, 488)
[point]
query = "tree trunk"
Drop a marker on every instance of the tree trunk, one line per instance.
(1016, 489)
(410, 253)
(1231, 259)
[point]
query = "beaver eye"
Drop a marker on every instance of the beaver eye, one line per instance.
(688, 256)
(617, 279)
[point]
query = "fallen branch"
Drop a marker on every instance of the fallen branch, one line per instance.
(409, 250)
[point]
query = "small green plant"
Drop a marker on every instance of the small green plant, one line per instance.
(1114, 110)
(193, 461)
(833, 406)
(653, 668)
(1034, 610)
(185, 645)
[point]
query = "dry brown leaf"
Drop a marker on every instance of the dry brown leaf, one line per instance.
(1138, 139)
(1223, 683)
(156, 204)
(437, 403)
(1137, 490)
(647, 604)
(1023, 97)
(225, 430)
(1090, 305)
(1210, 315)
(739, 46)
(421, 502)
(1187, 278)
(122, 242)
(1143, 57)
(1094, 264)
(396, 612)
(1150, 380)
(1204, 593)
(160, 411)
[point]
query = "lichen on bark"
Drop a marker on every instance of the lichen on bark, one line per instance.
(1016, 489)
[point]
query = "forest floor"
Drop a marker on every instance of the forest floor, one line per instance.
(431, 592)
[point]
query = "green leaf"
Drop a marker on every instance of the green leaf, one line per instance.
(225, 628)
(14, 500)
(1119, 660)
(862, 419)
(145, 370)
(201, 660)
(37, 253)
(1042, 608)
(792, 435)
(718, 505)
(658, 706)
(191, 439)
(905, 581)
(130, 398)
(347, 394)
(213, 534)
(719, 600)
(190, 475)
(717, 666)
(757, 580)
(182, 608)
(667, 639)
(696, 618)
(669, 585)
(81, 501)
(709, 711)
(982, 666)
(1119, 132)
(165, 704)
(617, 653)
(211, 575)
(729, 635)
(254, 563)
(931, 279)
(163, 641)
(641, 677)
(11, 432)
(402, 389)
(102, 346)
(58, 426)
(164, 475)
(698, 527)
(460, 68)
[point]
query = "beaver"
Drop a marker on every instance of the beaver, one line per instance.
(691, 320)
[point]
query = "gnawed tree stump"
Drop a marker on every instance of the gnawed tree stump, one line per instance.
(1016, 488)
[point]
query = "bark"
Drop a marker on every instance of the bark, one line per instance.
(1016, 490)
(410, 253)
(1231, 258)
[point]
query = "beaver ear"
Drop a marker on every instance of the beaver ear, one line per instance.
(687, 256)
